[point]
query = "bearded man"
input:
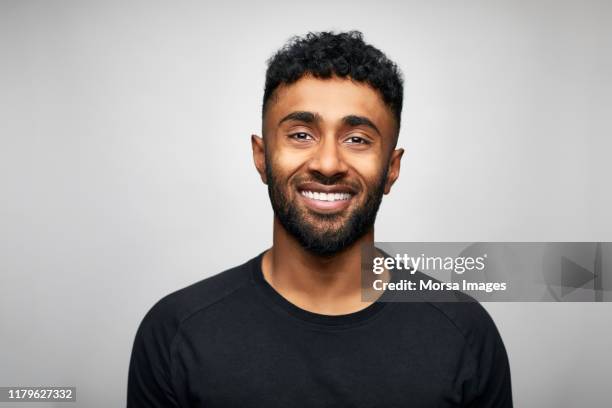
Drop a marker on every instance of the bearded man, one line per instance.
(289, 327)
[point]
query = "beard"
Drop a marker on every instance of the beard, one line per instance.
(324, 234)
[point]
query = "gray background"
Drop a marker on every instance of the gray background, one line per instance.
(126, 172)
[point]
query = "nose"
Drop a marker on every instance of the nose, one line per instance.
(327, 158)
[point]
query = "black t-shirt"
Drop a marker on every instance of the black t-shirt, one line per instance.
(232, 341)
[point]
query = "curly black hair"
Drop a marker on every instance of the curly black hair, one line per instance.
(345, 54)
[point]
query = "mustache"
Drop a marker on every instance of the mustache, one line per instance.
(337, 180)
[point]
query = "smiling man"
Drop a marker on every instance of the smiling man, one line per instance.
(288, 328)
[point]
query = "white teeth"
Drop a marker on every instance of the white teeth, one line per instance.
(315, 195)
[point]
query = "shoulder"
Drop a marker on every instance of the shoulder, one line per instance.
(489, 383)
(481, 338)
(470, 319)
(166, 316)
(455, 309)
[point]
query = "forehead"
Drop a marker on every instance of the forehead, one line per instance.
(332, 98)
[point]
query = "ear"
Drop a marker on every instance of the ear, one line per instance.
(394, 169)
(259, 156)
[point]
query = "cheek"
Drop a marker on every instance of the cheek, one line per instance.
(368, 167)
(287, 162)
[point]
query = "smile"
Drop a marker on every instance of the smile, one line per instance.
(326, 199)
(331, 197)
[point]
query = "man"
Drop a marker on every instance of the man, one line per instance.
(288, 328)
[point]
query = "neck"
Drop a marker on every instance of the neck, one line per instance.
(326, 285)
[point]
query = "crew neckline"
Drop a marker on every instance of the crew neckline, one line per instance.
(343, 320)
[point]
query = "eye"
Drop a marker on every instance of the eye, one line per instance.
(300, 136)
(357, 140)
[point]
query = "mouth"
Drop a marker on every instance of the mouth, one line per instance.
(326, 199)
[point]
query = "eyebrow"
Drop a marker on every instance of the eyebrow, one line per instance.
(302, 116)
(354, 120)
(311, 117)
